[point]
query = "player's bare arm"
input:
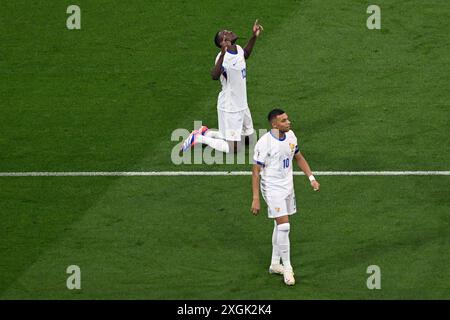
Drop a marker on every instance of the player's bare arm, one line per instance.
(257, 28)
(217, 70)
(255, 189)
(304, 166)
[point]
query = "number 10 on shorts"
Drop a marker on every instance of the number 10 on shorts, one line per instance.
(286, 163)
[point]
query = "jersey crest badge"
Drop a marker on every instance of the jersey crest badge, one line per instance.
(292, 146)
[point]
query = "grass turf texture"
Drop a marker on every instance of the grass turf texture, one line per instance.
(107, 97)
(130, 243)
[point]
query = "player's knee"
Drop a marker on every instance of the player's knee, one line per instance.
(282, 219)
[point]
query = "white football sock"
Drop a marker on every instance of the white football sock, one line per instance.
(275, 251)
(283, 244)
(212, 134)
(218, 144)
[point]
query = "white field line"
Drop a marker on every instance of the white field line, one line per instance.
(217, 173)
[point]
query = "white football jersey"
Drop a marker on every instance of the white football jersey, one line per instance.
(276, 157)
(233, 96)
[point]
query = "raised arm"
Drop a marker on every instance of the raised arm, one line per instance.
(217, 70)
(304, 166)
(255, 189)
(257, 28)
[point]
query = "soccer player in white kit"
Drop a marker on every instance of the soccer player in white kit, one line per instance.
(272, 171)
(234, 115)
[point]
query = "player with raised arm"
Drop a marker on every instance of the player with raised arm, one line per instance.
(234, 115)
(272, 172)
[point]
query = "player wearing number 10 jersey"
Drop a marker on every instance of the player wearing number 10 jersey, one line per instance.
(272, 171)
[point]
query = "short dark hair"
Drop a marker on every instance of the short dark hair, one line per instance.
(274, 113)
(217, 39)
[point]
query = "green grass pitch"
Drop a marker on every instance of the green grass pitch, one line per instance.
(107, 98)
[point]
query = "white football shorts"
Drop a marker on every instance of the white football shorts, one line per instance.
(233, 125)
(278, 206)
